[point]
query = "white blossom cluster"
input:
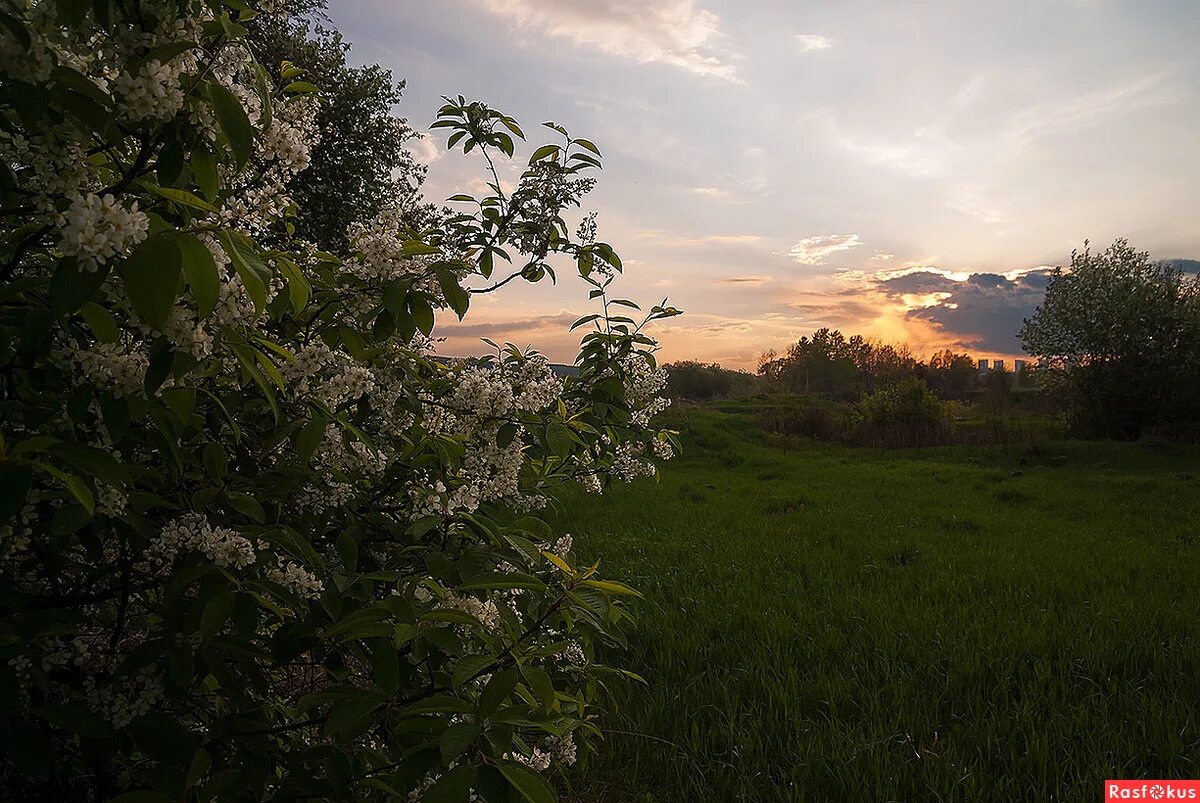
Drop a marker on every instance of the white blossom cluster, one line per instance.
(492, 391)
(154, 91)
(54, 166)
(296, 578)
(191, 532)
(337, 455)
(129, 700)
(562, 749)
(112, 366)
(187, 333)
(485, 611)
(574, 654)
(330, 376)
(262, 198)
(643, 384)
(378, 253)
(95, 229)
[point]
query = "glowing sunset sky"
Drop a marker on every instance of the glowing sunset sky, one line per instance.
(896, 169)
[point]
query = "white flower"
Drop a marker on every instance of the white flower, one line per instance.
(95, 229)
(295, 577)
(191, 532)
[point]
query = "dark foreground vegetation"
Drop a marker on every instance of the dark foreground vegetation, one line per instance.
(968, 623)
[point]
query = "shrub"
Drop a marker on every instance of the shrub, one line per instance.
(256, 539)
(904, 414)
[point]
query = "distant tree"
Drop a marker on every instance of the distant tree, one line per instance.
(952, 375)
(1123, 333)
(362, 163)
(689, 379)
(830, 364)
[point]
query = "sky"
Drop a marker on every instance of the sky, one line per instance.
(906, 170)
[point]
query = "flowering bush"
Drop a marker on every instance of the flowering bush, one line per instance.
(257, 540)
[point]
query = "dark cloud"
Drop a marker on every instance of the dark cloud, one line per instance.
(506, 329)
(985, 311)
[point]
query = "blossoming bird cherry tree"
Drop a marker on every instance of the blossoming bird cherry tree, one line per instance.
(257, 540)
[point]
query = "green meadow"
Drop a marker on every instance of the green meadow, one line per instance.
(965, 623)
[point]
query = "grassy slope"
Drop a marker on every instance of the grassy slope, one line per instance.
(951, 624)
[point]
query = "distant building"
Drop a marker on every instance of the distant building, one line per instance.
(1019, 365)
(998, 365)
(983, 366)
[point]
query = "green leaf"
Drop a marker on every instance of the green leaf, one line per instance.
(76, 719)
(612, 587)
(413, 248)
(234, 122)
(215, 460)
(204, 171)
(456, 739)
(468, 667)
(301, 87)
(182, 401)
(458, 298)
(437, 704)
(299, 290)
(347, 548)
(422, 312)
(497, 690)
(216, 613)
(247, 505)
(262, 83)
(493, 581)
(181, 197)
(532, 786)
(541, 685)
(453, 786)
(347, 714)
(543, 152)
(559, 439)
(385, 666)
(200, 269)
(152, 278)
(15, 480)
(251, 269)
(71, 286)
(101, 321)
(146, 796)
(78, 488)
(587, 143)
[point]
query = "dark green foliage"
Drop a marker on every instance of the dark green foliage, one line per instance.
(1122, 335)
(698, 381)
(362, 162)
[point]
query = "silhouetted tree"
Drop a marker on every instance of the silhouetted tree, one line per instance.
(1123, 333)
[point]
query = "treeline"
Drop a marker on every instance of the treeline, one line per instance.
(1116, 338)
(833, 387)
(830, 365)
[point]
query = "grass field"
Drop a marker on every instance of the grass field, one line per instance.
(826, 623)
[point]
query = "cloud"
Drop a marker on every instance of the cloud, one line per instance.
(715, 192)
(507, 329)
(425, 149)
(814, 250)
(672, 32)
(751, 280)
(709, 239)
(813, 41)
(983, 311)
